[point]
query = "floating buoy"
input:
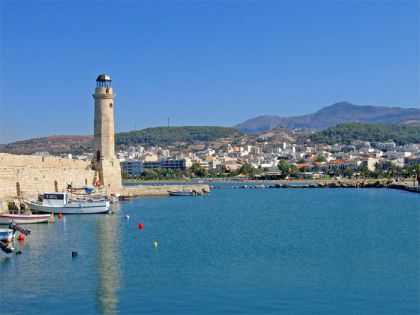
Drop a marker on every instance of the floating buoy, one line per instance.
(74, 254)
(127, 217)
(21, 237)
(155, 244)
(140, 226)
(60, 215)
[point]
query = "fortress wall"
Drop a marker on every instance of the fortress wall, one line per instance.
(34, 174)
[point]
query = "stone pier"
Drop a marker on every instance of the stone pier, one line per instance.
(161, 190)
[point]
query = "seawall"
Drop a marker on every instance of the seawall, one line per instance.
(160, 190)
(27, 175)
(354, 184)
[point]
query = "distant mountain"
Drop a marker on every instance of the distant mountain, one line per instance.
(335, 114)
(146, 137)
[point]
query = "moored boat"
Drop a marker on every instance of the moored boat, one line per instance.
(24, 218)
(6, 248)
(7, 235)
(61, 203)
(182, 193)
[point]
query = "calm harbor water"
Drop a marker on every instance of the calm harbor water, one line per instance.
(287, 251)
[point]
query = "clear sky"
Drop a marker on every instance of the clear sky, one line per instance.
(200, 62)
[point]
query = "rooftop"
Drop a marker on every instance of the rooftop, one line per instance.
(103, 77)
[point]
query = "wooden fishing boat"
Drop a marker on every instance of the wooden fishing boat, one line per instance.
(24, 218)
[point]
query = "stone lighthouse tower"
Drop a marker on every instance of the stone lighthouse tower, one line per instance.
(107, 167)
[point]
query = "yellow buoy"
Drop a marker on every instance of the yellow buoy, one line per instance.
(155, 244)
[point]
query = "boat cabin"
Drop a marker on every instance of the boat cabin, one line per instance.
(55, 199)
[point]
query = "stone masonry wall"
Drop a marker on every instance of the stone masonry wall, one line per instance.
(29, 175)
(111, 175)
(161, 190)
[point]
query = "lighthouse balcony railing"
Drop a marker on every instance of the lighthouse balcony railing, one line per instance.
(103, 84)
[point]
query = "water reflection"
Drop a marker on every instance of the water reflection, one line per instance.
(108, 268)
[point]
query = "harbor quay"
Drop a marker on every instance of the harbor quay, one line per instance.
(162, 190)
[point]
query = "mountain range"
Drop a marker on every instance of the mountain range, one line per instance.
(264, 128)
(335, 114)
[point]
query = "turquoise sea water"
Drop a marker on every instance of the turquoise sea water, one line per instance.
(257, 251)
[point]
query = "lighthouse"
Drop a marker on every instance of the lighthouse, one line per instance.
(104, 162)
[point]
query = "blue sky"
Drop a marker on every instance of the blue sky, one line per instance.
(200, 62)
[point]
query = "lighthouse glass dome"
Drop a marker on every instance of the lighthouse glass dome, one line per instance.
(103, 81)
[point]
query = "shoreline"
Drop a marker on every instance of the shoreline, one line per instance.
(329, 185)
(300, 181)
(291, 184)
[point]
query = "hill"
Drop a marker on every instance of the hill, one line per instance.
(146, 137)
(277, 135)
(54, 145)
(335, 114)
(171, 135)
(347, 132)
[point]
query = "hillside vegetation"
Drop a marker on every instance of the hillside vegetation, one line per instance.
(147, 137)
(53, 144)
(347, 132)
(170, 135)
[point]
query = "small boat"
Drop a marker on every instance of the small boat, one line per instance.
(62, 203)
(182, 193)
(113, 199)
(24, 218)
(7, 248)
(7, 235)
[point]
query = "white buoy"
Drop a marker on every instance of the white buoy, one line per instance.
(127, 217)
(155, 244)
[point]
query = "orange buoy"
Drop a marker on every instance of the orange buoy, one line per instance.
(140, 226)
(21, 237)
(60, 215)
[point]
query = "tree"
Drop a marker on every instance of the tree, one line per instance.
(247, 169)
(391, 170)
(149, 175)
(284, 168)
(414, 172)
(364, 172)
(349, 172)
(294, 171)
(198, 170)
(320, 158)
